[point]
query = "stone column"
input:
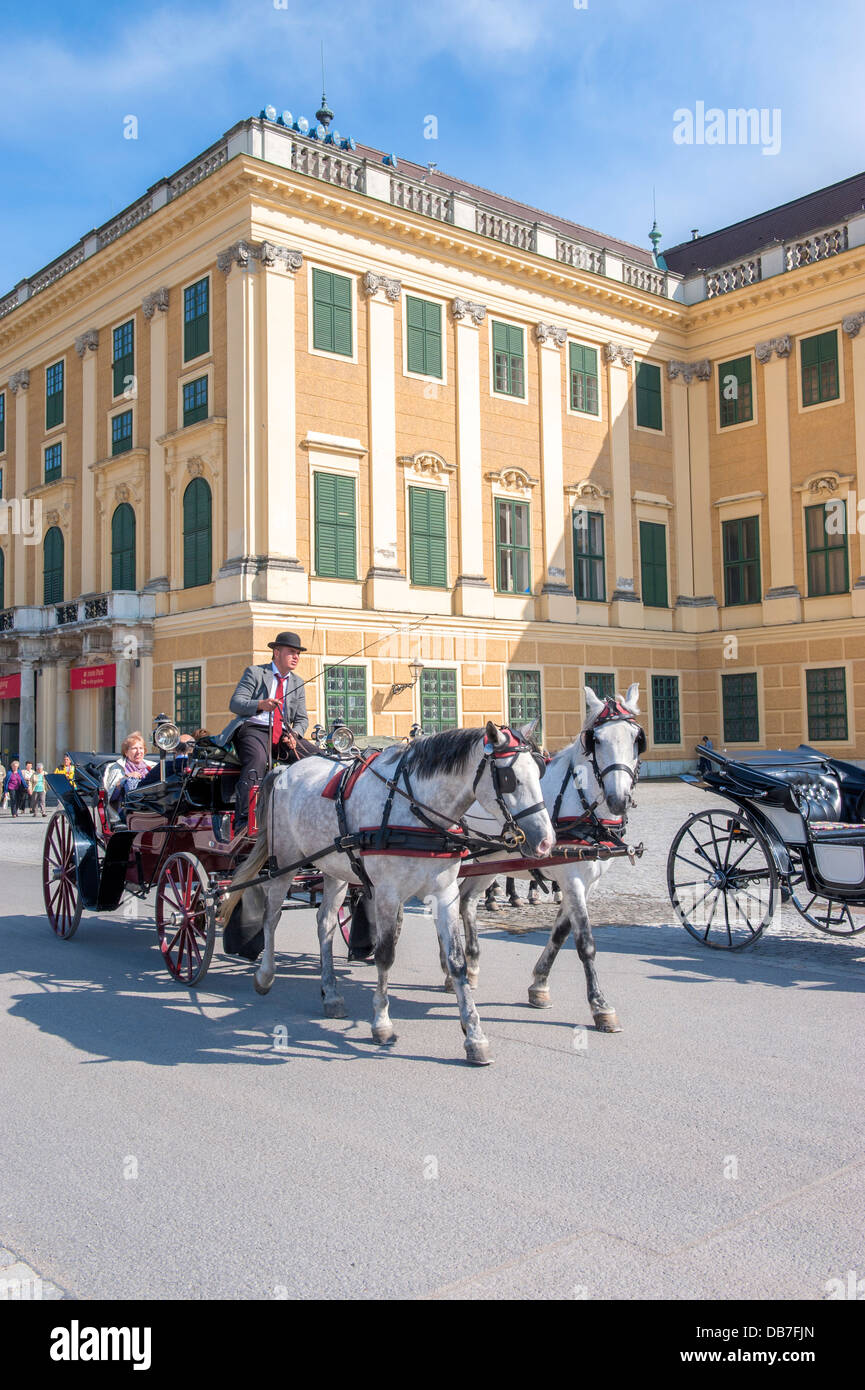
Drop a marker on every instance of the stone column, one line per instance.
(235, 580)
(626, 607)
(557, 602)
(386, 586)
(782, 602)
(855, 518)
(696, 607)
(19, 385)
(61, 710)
(473, 596)
(27, 716)
(281, 578)
(86, 346)
(122, 723)
(155, 309)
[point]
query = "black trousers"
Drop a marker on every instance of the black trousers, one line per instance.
(252, 742)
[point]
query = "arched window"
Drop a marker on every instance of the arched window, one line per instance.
(123, 547)
(52, 552)
(197, 531)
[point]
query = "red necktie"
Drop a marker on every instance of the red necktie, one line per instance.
(277, 713)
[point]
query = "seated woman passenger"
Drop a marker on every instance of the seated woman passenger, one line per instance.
(128, 772)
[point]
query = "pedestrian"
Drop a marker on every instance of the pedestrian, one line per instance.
(40, 790)
(14, 784)
(29, 775)
(68, 769)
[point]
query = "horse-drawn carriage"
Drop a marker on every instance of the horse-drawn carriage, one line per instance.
(173, 835)
(796, 835)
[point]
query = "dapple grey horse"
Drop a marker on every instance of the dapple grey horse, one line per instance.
(616, 749)
(440, 776)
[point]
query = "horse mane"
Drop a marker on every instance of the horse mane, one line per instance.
(447, 752)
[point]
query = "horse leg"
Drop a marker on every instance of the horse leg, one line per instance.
(539, 994)
(332, 898)
(388, 921)
(273, 895)
(606, 1020)
(470, 893)
(447, 925)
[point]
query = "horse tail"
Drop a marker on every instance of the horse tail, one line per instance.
(254, 863)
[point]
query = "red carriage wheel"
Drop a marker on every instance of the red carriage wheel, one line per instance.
(344, 917)
(186, 929)
(63, 901)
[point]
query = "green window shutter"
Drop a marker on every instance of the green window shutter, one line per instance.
(438, 700)
(741, 558)
(123, 358)
(2, 422)
(819, 362)
(584, 378)
(54, 395)
(653, 564)
(524, 700)
(196, 319)
(734, 392)
(187, 698)
(665, 709)
(603, 683)
(648, 387)
(428, 536)
(345, 697)
(741, 715)
(121, 433)
(197, 534)
(335, 527)
(195, 405)
(52, 553)
(123, 547)
(827, 704)
(826, 549)
(331, 313)
(508, 359)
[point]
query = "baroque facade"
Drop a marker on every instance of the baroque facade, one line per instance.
(295, 386)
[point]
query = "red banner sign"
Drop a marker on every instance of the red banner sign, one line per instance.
(92, 677)
(10, 687)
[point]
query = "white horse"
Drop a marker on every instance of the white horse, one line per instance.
(428, 785)
(598, 769)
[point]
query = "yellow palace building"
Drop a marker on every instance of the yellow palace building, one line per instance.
(475, 454)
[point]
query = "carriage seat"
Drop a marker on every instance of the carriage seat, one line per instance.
(817, 792)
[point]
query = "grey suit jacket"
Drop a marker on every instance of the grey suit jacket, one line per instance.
(254, 686)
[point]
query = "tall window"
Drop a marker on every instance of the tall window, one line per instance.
(509, 374)
(653, 563)
(345, 697)
(53, 462)
(52, 566)
(827, 704)
(512, 547)
(665, 709)
(438, 700)
(331, 312)
(195, 400)
(123, 547)
(428, 540)
(2, 578)
(335, 526)
(187, 698)
(2, 422)
(54, 395)
(734, 391)
(524, 700)
(584, 378)
(826, 545)
(648, 386)
(741, 545)
(602, 682)
(197, 534)
(424, 336)
(121, 432)
(819, 357)
(196, 319)
(589, 581)
(741, 714)
(123, 357)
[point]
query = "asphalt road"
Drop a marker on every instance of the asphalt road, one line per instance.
(158, 1143)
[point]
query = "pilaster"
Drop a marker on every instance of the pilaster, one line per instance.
(556, 601)
(852, 326)
(626, 607)
(281, 576)
(782, 602)
(19, 385)
(155, 309)
(86, 346)
(696, 608)
(386, 585)
(235, 580)
(473, 593)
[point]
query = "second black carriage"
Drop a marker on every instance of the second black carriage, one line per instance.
(795, 834)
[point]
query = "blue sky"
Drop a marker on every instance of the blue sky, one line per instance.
(569, 109)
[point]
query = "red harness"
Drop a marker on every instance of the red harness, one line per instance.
(332, 787)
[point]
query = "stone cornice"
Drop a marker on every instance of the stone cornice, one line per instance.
(766, 295)
(20, 381)
(853, 322)
(193, 432)
(269, 253)
(782, 346)
(702, 370)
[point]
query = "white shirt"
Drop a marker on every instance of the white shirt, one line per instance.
(264, 716)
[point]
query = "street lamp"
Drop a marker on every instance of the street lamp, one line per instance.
(415, 667)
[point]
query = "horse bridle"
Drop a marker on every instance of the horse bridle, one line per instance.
(504, 780)
(613, 712)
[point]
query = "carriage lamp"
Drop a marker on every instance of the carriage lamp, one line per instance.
(318, 734)
(341, 738)
(415, 667)
(166, 735)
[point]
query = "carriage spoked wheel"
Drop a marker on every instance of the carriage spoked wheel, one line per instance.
(63, 902)
(722, 880)
(185, 927)
(831, 915)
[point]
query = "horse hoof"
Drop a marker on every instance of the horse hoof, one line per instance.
(383, 1036)
(448, 985)
(261, 989)
(478, 1053)
(334, 1008)
(607, 1022)
(539, 998)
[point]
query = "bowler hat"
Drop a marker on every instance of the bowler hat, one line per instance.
(287, 639)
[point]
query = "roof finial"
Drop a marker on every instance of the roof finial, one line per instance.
(324, 115)
(655, 237)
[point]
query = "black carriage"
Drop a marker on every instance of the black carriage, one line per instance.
(795, 834)
(173, 834)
